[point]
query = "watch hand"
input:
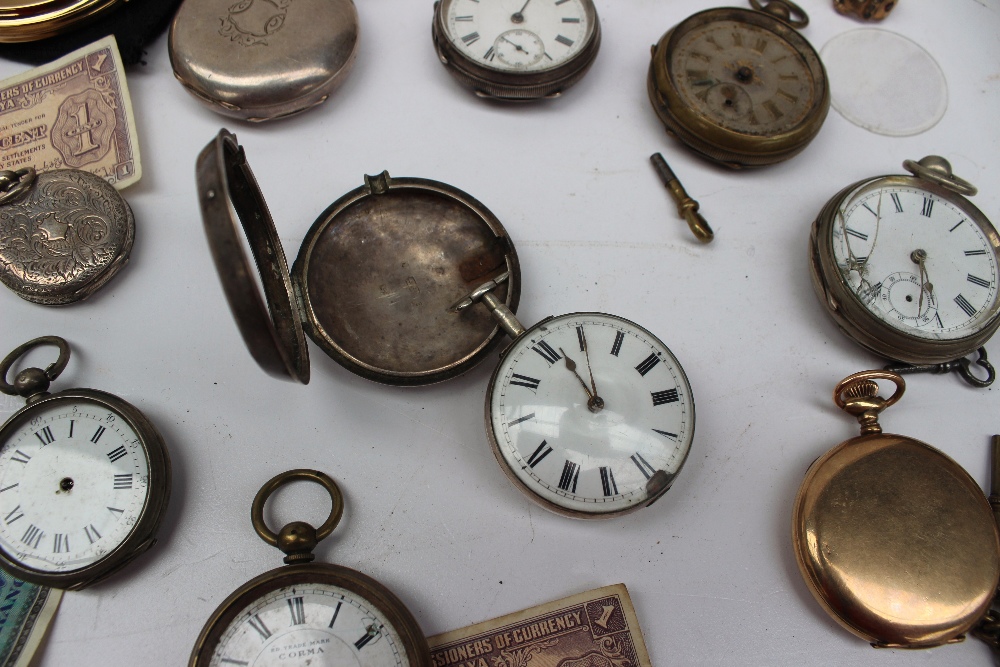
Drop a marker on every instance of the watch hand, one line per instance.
(518, 16)
(586, 352)
(919, 257)
(514, 44)
(571, 365)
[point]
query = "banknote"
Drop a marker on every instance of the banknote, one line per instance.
(74, 112)
(593, 629)
(25, 613)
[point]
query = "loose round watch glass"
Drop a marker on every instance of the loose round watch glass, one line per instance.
(311, 623)
(916, 261)
(518, 35)
(588, 410)
(743, 77)
(73, 483)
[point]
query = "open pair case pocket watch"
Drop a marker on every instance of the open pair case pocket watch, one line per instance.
(84, 479)
(742, 88)
(516, 49)
(908, 267)
(309, 613)
(408, 281)
(894, 539)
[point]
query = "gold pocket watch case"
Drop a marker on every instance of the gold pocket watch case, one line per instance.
(309, 613)
(31, 20)
(514, 50)
(894, 539)
(742, 88)
(909, 268)
(373, 280)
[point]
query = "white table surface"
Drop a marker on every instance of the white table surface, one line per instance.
(710, 567)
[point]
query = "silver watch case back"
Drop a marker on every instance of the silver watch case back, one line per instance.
(259, 60)
(66, 235)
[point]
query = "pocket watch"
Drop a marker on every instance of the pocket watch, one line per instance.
(84, 479)
(742, 88)
(373, 279)
(516, 49)
(893, 538)
(63, 234)
(32, 20)
(309, 613)
(908, 267)
(589, 414)
(259, 60)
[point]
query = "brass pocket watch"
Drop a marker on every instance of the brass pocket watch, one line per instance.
(589, 414)
(373, 279)
(31, 20)
(63, 234)
(309, 613)
(84, 479)
(742, 88)
(260, 60)
(516, 49)
(894, 539)
(908, 267)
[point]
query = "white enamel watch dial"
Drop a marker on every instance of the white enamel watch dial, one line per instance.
(916, 260)
(518, 35)
(516, 49)
(590, 414)
(310, 624)
(74, 481)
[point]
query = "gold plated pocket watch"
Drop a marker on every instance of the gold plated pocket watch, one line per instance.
(516, 49)
(84, 479)
(742, 88)
(894, 539)
(588, 414)
(373, 279)
(63, 234)
(31, 20)
(908, 267)
(309, 613)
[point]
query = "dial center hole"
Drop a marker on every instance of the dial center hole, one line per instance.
(66, 483)
(744, 74)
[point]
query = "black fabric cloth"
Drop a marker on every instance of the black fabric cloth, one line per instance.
(134, 24)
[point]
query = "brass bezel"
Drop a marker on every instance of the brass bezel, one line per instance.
(851, 315)
(514, 86)
(375, 593)
(721, 145)
(143, 533)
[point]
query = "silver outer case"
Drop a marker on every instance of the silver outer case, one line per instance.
(257, 60)
(514, 86)
(143, 533)
(851, 315)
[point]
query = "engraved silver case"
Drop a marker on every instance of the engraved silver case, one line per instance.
(260, 60)
(63, 237)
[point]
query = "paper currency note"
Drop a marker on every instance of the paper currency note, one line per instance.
(25, 613)
(74, 112)
(593, 629)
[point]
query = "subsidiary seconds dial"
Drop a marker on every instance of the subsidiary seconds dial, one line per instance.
(591, 414)
(517, 49)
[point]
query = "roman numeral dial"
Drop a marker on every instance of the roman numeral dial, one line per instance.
(577, 400)
(74, 482)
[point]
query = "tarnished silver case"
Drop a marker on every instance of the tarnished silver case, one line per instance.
(850, 313)
(259, 60)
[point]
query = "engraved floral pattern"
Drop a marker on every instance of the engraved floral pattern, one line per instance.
(66, 238)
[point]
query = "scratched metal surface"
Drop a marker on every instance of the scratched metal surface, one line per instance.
(429, 513)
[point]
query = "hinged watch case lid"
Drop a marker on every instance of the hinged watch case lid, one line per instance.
(374, 278)
(896, 541)
(259, 60)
